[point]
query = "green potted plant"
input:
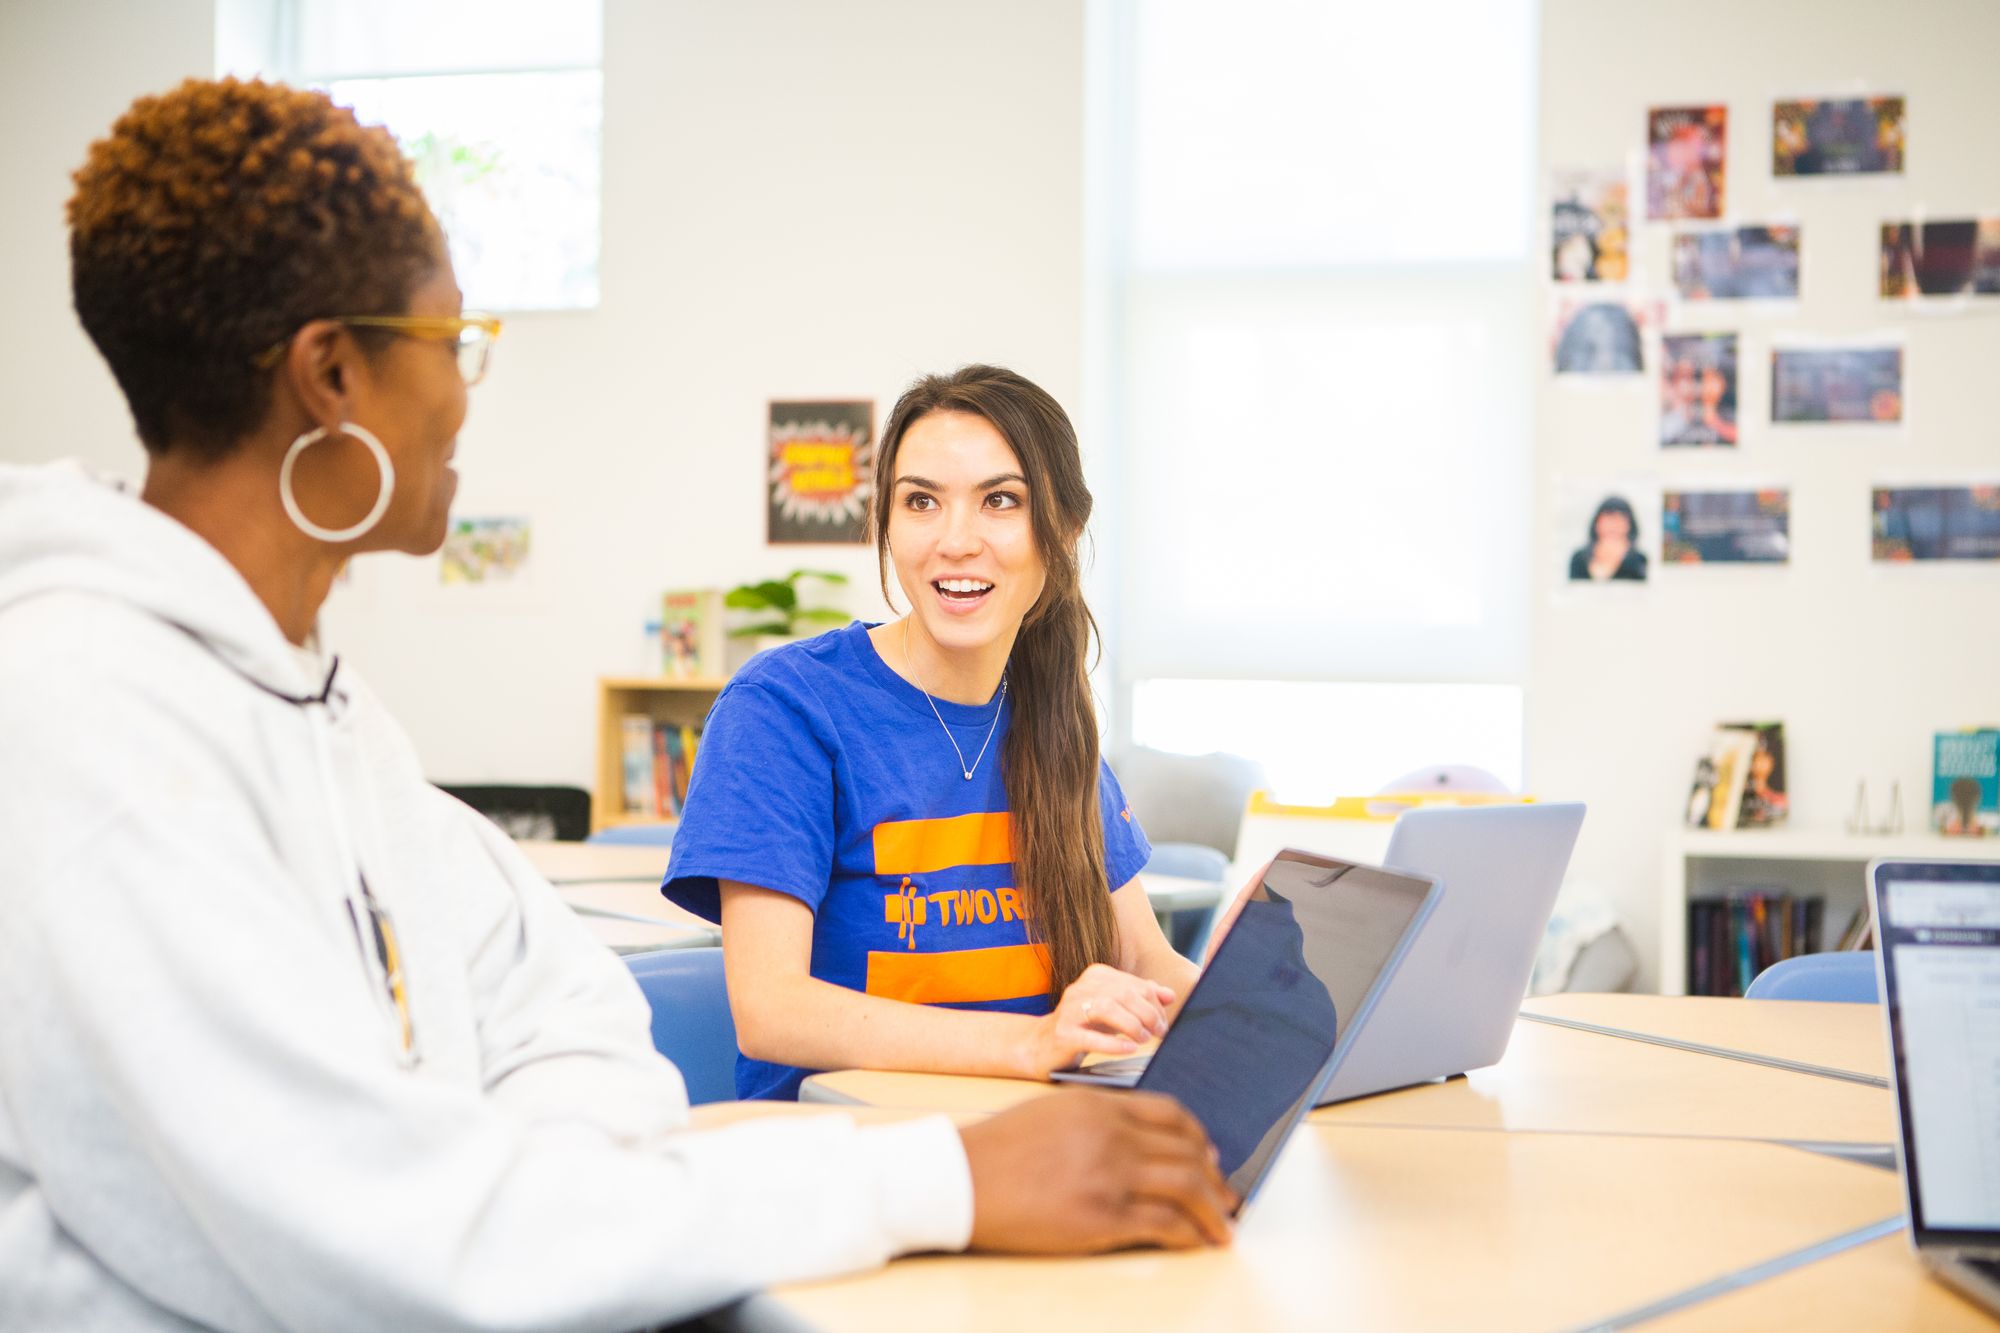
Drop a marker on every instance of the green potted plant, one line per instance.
(779, 615)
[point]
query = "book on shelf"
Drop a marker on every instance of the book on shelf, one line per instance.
(657, 762)
(1740, 781)
(691, 633)
(1860, 932)
(1734, 937)
(1965, 782)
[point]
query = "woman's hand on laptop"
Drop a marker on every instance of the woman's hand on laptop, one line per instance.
(1085, 1171)
(1103, 1012)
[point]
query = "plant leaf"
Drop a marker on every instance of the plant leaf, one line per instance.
(823, 575)
(770, 627)
(746, 598)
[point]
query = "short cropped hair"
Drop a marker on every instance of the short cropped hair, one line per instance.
(217, 219)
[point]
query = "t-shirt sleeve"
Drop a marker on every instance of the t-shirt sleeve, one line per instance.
(760, 805)
(1126, 850)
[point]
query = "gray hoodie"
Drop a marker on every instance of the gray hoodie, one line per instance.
(216, 1110)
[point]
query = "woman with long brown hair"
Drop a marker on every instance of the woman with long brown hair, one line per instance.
(899, 821)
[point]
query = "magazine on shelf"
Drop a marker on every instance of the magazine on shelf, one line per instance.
(1965, 783)
(1720, 778)
(691, 633)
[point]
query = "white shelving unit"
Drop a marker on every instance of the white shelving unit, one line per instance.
(1700, 864)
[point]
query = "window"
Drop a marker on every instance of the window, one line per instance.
(500, 104)
(1313, 235)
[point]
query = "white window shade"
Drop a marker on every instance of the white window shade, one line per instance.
(1327, 478)
(1324, 339)
(372, 39)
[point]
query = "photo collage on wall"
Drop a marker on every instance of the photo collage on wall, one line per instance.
(1721, 334)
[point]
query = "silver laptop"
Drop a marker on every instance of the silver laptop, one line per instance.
(1277, 1008)
(1937, 931)
(1454, 1001)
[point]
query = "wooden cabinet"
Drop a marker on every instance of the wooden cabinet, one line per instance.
(683, 702)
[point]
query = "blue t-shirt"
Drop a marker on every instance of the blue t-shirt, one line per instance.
(823, 774)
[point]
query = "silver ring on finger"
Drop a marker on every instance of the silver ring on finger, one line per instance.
(1086, 1009)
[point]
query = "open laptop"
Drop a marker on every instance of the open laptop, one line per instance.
(1454, 1000)
(1937, 931)
(1279, 1004)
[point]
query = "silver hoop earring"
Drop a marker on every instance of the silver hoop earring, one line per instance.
(291, 502)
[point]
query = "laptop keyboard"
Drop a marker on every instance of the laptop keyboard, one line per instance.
(1986, 1268)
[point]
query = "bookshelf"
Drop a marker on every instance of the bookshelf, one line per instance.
(1703, 864)
(682, 701)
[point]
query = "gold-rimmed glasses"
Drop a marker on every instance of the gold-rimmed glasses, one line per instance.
(473, 336)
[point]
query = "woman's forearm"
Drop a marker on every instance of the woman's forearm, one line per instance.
(813, 1024)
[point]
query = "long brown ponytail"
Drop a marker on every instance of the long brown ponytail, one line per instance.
(1050, 760)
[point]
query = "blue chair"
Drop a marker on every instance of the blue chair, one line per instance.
(635, 835)
(692, 1025)
(1847, 977)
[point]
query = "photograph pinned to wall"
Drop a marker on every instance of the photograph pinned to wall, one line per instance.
(1914, 523)
(1960, 257)
(1726, 527)
(1603, 337)
(1590, 227)
(485, 551)
(1737, 264)
(1686, 161)
(1838, 136)
(821, 472)
(1846, 384)
(1698, 390)
(1601, 532)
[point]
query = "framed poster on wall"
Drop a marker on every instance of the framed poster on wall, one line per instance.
(820, 473)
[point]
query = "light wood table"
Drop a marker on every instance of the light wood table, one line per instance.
(1878, 1286)
(1553, 1080)
(1834, 1039)
(1382, 1228)
(616, 890)
(597, 863)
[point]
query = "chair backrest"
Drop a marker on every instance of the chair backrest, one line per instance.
(1846, 977)
(692, 1025)
(1187, 798)
(635, 835)
(541, 813)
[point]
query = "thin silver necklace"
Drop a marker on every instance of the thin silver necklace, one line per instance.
(911, 663)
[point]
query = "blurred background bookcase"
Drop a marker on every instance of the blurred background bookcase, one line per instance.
(1804, 862)
(681, 701)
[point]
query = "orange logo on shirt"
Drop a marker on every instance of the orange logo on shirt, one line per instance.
(912, 848)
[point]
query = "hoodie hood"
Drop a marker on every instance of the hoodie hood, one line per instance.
(64, 530)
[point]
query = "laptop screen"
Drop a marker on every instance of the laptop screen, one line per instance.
(1281, 992)
(1939, 931)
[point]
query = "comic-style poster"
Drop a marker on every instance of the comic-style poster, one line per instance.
(1686, 161)
(1698, 390)
(1837, 384)
(1726, 527)
(1960, 257)
(821, 471)
(1740, 264)
(1589, 227)
(1936, 523)
(1845, 136)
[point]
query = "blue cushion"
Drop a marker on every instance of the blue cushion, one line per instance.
(692, 1025)
(635, 835)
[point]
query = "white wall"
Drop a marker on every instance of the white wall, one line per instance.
(801, 200)
(62, 83)
(1862, 664)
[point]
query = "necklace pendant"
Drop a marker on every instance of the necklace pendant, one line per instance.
(968, 775)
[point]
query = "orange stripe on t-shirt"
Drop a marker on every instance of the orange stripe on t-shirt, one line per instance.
(921, 846)
(964, 976)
